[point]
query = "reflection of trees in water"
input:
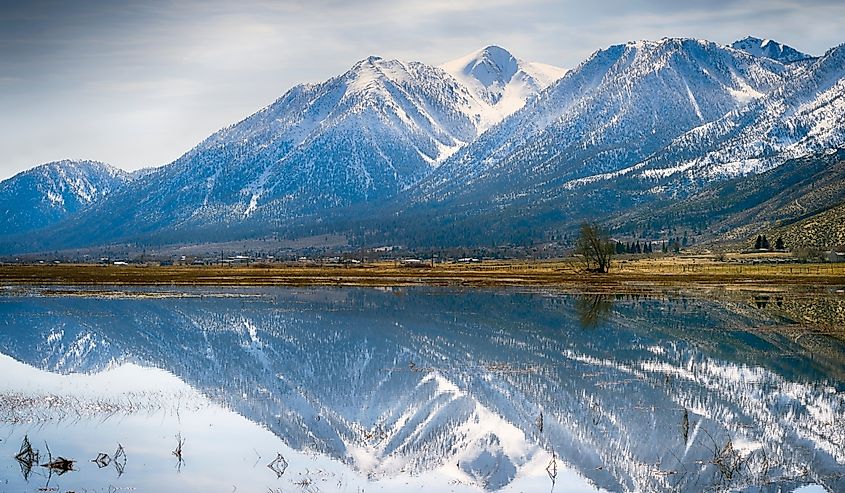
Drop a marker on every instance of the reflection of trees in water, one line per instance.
(593, 309)
(763, 301)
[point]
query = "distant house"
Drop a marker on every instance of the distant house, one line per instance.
(836, 255)
(415, 262)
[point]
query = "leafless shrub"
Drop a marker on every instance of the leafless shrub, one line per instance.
(178, 451)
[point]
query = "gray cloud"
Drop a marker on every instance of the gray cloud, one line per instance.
(137, 84)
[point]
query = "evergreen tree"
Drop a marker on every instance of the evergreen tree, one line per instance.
(765, 243)
(759, 243)
(779, 244)
(638, 247)
(663, 248)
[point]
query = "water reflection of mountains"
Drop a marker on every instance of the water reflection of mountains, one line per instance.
(636, 394)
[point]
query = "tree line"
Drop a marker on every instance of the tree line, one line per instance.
(762, 243)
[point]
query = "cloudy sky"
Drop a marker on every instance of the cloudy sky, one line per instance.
(137, 84)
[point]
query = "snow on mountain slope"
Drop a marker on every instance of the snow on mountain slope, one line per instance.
(645, 117)
(770, 49)
(502, 81)
(806, 115)
(362, 136)
(48, 193)
(615, 109)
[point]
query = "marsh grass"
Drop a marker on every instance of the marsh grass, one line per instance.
(625, 273)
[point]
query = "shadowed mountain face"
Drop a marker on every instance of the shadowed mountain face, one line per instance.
(736, 209)
(360, 137)
(649, 395)
(47, 194)
(484, 150)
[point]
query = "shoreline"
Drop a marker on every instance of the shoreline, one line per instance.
(810, 297)
(624, 275)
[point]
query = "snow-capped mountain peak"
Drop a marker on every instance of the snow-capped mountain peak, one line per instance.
(646, 92)
(490, 66)
(500, 80)
(486, 128)
(367, 73)
(770, 49)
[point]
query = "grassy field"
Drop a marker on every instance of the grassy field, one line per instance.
(667, 271)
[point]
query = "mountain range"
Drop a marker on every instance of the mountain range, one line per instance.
(483, 150)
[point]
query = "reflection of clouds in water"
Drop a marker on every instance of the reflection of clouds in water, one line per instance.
(326, 378)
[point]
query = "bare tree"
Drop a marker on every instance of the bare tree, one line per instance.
(595, 247)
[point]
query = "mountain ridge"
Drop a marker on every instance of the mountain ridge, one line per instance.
(770, 49)
(364, 135)
(388, 146)
(48, 193)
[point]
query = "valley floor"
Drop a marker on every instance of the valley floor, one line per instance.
(625, 275)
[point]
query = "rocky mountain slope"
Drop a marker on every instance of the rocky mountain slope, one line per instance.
(804, 115)
(547, 167)
(823, 231)
(480, 151)
(737, 210)
(48, 193)
(770, 49)
(362, 136)
(644, 93)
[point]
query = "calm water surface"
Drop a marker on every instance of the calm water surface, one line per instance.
(434, 390)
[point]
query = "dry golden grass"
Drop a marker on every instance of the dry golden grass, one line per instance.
(666, 271)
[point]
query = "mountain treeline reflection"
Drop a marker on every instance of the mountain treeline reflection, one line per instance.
(672, 394)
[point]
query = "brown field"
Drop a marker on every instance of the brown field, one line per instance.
(624, 275)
